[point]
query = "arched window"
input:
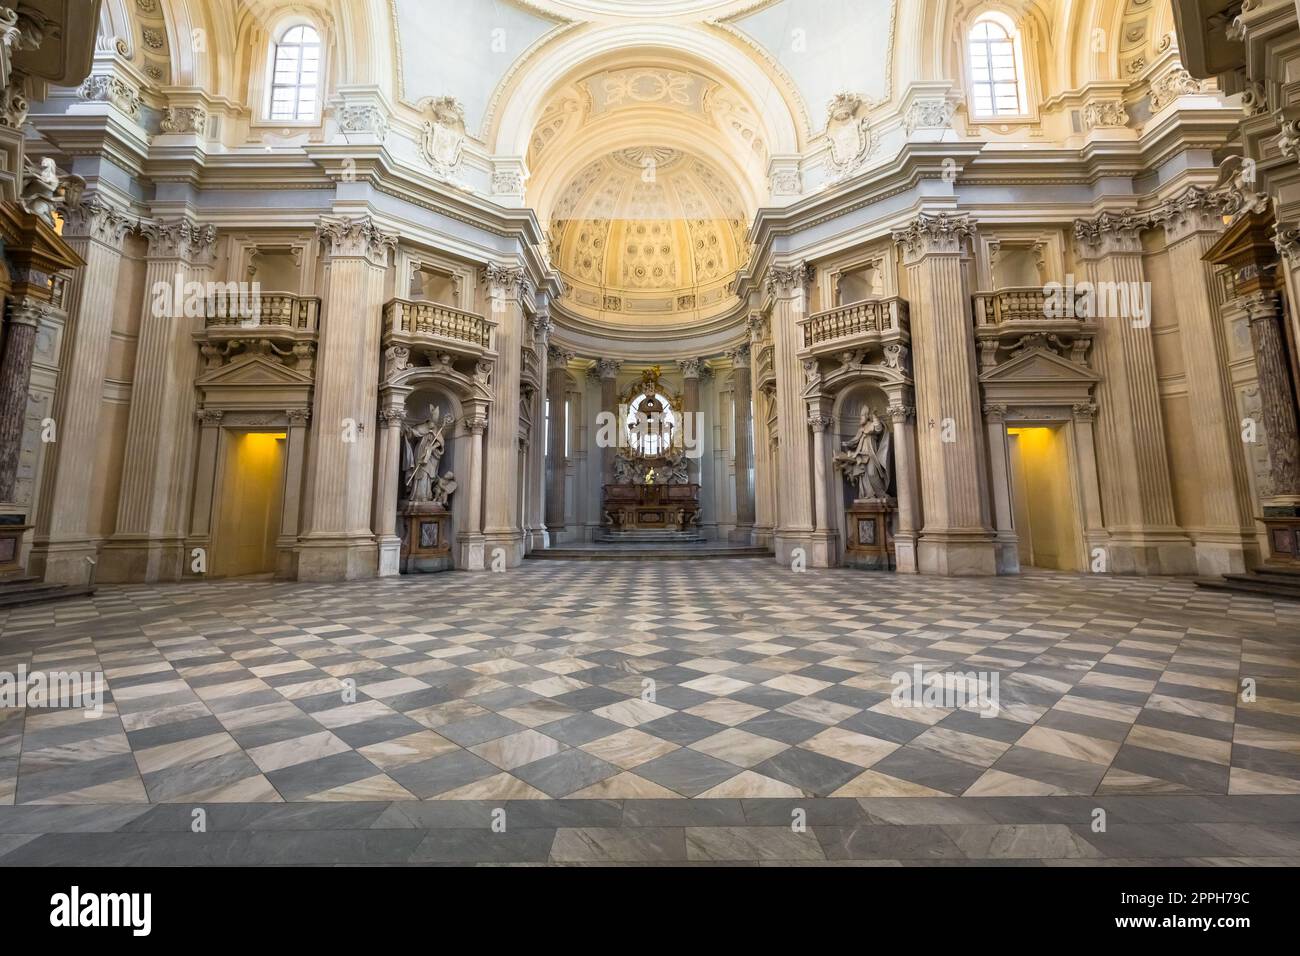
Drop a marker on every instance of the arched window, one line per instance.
(295, 75)
(997, 73)
(651, 424)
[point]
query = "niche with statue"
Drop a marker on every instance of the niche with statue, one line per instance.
(864, 461)
(428, 485)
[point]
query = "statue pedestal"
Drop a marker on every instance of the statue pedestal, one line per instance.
(425, 530)
(1282, 521)
(870, 539)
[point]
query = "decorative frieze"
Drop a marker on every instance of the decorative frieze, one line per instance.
(1103, 114)
(105, 88)
(929, 113)
(185, 119)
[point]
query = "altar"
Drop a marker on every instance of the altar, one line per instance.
(642, 507)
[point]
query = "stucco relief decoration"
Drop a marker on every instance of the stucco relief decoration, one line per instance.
(849, 133)
(443, 139)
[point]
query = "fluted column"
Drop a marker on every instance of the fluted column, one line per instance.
(557, 383)
(906, 490)
(1137, 495)
(742, 431)
(503, 524)
(608, 370)
(819, 421)
(1225, 541)
(148, 543)
(763, 510)
(1275, 393)
(95, 230)
(538, 533)
(24, 319)
(691, 370)
(339, 542)
(957, 537)
(470, 541)
(1007, 541)
(388, 478)
(788, 285)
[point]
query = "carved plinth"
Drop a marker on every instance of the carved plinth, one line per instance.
(1283, 526)
(870, 539)
(425, 530)
(12, 529)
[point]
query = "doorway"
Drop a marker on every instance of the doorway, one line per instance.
(252, 490)
(1043, 500)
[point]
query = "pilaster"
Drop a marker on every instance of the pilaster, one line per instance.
(503, 523)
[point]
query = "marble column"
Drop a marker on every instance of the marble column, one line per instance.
(557, 385)
(957, 538)
(691, 370)
(1275, 393)
(608, 370)
(470, 542)
(295, 462)
(742, 436)
(1225, 541)
(24, 319)
(1137, 494)
(1005, 538)
(906, 489)
(538, 532)
(95, 229)
(148, 542)
(795, 530)
(339, 542)
(1085, 453)
(818, 421)
(503, 523)
(763, 510)
(388, 477)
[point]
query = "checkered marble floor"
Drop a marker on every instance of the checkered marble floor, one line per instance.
(727, 681)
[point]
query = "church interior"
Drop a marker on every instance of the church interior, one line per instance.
(652, 418)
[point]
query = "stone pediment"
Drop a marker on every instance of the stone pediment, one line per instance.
(1039, 366)
(253, 372)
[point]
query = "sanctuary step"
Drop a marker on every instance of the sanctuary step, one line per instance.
(17, 592)
(1272, 582)
(648, 536)
(649, 552)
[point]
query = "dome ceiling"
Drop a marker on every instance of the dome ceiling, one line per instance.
(648, 231)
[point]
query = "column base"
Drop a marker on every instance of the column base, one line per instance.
(1223, 552)
(1006, 546)
(537, 539)
(1150, 553)
(390, 556)
(764, 537)
(141, 560)
(819, 549)
(905, 561)
(64, 562)
(470, 552)
(744, 534)
(503, 549)
(957, 553)
(337, 558)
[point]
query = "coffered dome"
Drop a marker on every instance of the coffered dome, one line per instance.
(648, 230)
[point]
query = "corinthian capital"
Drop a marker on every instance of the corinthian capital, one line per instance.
(1111, 232)
(98, 219)
(1195, 210)
(788, 280)
(691, 368)
(932, 235)
(505, 281)
(359, 238)
(608, 368)
(179, 239)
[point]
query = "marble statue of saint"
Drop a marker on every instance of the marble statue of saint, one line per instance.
(626, 471)
(446, 487)
(422, 453)
(678, 468)
(865, 458)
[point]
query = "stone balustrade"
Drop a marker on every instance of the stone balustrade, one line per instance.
(432, 324)
(858, 324)
(237, 308)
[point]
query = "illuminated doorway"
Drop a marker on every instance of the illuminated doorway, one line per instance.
(252, 489)
(1043, 499)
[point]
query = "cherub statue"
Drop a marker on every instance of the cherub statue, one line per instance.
(446, 487)
(44, 189)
